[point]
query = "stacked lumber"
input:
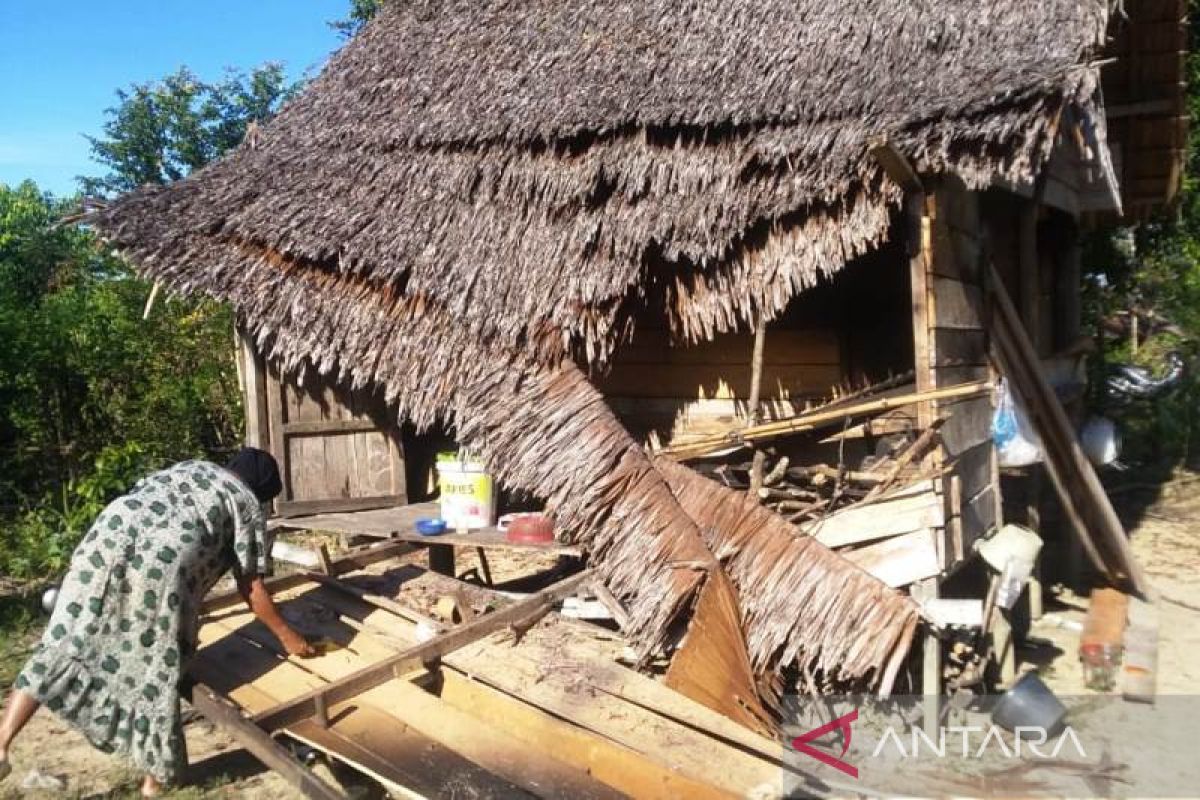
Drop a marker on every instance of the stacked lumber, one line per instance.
(547, 713)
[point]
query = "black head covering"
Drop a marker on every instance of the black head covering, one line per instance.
(259, 471)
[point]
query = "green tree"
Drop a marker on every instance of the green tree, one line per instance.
(361, 12)
(91, 394)
(160, 131)
(1155, 267)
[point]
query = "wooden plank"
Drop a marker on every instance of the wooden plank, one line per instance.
(974, 469)
(405, 762)
(957, 376)
(959, 305)
(356, 559)
(1082, 496)
(623, 728)
(979, 517)
(881, 519)
(419, 655)
(900, 560)
(222, 712)
(956, 252)
(302, 508)
(1139, 663)
(365, 734)
(922, 313)
(968, 424)
(275, 400)
(955, 551)
(254, 371)
(399, 523)
(499, 730)
(551, 677)
(325, 426)
(379, 601)
(931, 663)
(895, 164)
(960, 347)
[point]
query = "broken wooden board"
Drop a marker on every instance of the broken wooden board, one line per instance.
(500, 704)
(901, 560)
(916, 507)
(418, 656)
(711, 667)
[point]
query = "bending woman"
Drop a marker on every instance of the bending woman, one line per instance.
(127, 614)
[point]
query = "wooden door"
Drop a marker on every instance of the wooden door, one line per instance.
(337, 450)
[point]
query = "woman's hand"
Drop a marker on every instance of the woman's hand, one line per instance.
(296, 645)
(260, 602)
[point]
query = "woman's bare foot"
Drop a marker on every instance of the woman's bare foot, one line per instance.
(151, 787)
(5, 767)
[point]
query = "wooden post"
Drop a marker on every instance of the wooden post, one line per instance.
(931, 662)
(254, 393)
(1028, 266)
(922, 313)
(756, 365)
(1070, 301)
(441, 559)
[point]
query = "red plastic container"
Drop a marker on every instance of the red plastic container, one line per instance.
(531, 529)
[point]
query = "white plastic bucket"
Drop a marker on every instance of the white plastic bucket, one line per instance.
(468, 499)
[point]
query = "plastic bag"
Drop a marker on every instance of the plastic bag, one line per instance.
(1016, 443)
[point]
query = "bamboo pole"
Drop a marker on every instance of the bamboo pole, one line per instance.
(756, 365)
(816, 419)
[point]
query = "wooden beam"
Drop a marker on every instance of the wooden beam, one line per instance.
(1144, 108)
(228, 716)
(304, 508)
(895, 164)
(353, 560)
(377, 600)
(418, 656)
(901, 560)
(320, 426)
(813, 420)
(1083, 499)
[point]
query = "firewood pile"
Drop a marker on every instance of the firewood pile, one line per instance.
(879, 512)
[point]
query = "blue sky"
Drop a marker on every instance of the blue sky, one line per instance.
(61, 62)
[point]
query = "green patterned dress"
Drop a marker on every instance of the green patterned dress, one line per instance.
(127, 615)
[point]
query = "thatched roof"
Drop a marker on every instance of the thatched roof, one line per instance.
(535, 166)
(472, 191)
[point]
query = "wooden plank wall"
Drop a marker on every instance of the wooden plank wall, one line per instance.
(337, 450)
(959, 353)
(685, 391)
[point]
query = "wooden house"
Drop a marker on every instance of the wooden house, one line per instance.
(556, 227)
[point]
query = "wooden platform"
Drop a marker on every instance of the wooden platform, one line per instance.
(551, 716)
(399, 522)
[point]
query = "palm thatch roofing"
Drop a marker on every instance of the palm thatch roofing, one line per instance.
(474, 196)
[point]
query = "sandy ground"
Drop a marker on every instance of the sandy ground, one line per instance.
(1164, 539)
(219, 768)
